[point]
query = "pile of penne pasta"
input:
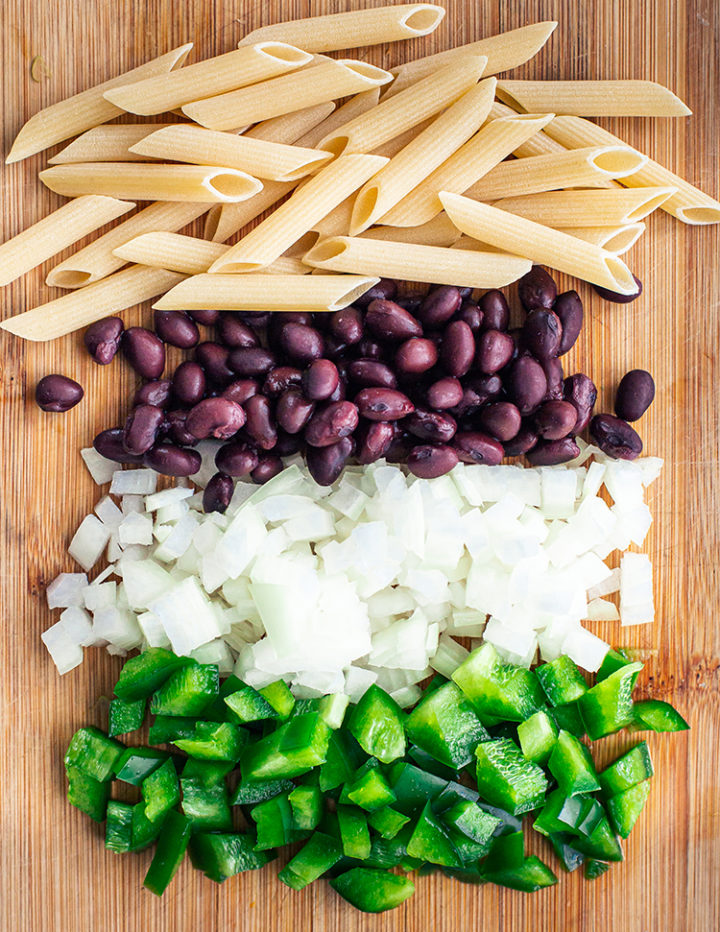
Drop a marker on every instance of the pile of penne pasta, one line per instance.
(434, 171)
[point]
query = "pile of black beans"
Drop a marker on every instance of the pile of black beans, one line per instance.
(424, 379)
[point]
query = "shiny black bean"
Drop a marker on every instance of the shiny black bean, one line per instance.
(236, 459)
(555, 419)
(634, 395)
(495, 310)
(553, 452)
(615, 437)
(157, 392)
(411, 302)
(389, 321)
(458, 348)
(473, 446)
(141, 428)
(383, 404)
(280, 320)
(234, 332)
(240, 390)
(485, 387)
(293, 411)
(385, 289)
(537, 289)
(335, 349)
(340, 394)
(218, 493)
(370, 349)
(102, 339)
(58, 393)
(205, 317)
(569, 309)
(542, 333)
(620, 298)
(287, 444)
(415, 356)
(145, 352)
(472, 315)
(176, 328)
(332, 422)
(301, 344)
(215, 417)
(280, 379)
(526, 384)
(170, 460)
(320, 379)
(260, 423)
(369, 373)
(189, 383)
(267, 468)
(400, 447)
(214, 360)
(346, 325)
(429, 462)
(109, 443)
(580, 391)
(252, 361)
(439, 306)
(176, 430)
(501, 420)
(326, 463)
(431, 426)
(444, 394)
(522, 442)
(374, 441)
(494, 351)
(256, 319)
(554, 374)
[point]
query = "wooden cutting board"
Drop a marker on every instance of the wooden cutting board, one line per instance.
(54, 871)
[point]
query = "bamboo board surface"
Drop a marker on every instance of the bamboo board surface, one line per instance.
(54, 871)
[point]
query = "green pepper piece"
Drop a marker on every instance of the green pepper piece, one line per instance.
(497, 689)
(87, 794)
(214, 741)
(333, 708)
(377, 724)
(549, 821)
(531, 876)
(279, 697)
(506, 779)
(145, 673)
(506, 854)
(387, 821)
(614, 659)
(188, 691)
(249, 705)
(275, 825)
(444, 724)
(247, 794)
(568, 718)
(93, 753)
(469, 819)
(413, 787)
(608, 706)
(632, 768)
(537, 736)
(508, 823)
(370, 791)
(161, 791)
(207, 807)
(569, 857)
(319, 854)
(658, 716)
(171, 847)
(452, 794)
(602, 843)
(206, 772)
(595, 869)
(303, 706)
(306, 803)
(561, 680)
(392, 852)
(124, 717)
(427, 762)
(144, 832)
(572, 766)
(354, 832)
(344, 756)
(372, 891)
(430, 841)
(135, 764)
(469, 851)
(624, 808)
(296, 747)
(223, 856)
(217, 711)
(166, 728)
(118, 828)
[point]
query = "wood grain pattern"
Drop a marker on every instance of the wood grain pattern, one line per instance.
(55, 873)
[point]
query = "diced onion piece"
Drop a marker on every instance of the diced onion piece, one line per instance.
(167, 497)
(66, 589)
(636, 590)
(65, 653)
(187, 616)
(587, 650)
(448, 656)
(357, 682)
(101, 469)
(117, 626)
(133, 482)
(407, 696)
(108, 512)
(602, 610)
(136, 529)
(89, 541)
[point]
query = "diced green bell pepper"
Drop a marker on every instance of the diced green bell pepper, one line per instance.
(143, 675)
(333, 708)
(506, 854)
(369, 791)
(377, 724)
(532, 875)
(354, 833)
(392, 852)
(601, 844)
(279, 697)
(161, 791)
(537, 736)
(274, 821)
(166, 728)
(319, 854)
(427, 762)
(207, 807)
(118, 827)
(624, 808)
(371, 890)
(595, 869)
(497, 689)
(214, 741)
(144, 832)
(188, 691)
(572, 766)
(579, 815)
(413, 787)
(444, 724)
(561, 680)
(469, 819)
(171, 847)
(568, 718)
(632, 768)
(306, 803)
(387, 821)
(206, 772)
(296, 747)
(453, 794)
(614, 659)
(136, 764)
(468, 851)
(430, 841)
(658, 716)
(608, 706)
(506, 779)
(248, 794)
(569, 856)
(344, 756)
(249, 705)
(93, 753)
(87, 794)
(124, 717)
(223, 856)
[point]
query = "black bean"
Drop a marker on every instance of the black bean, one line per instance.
(526, 384)
(280, 379)
(234, 332)
(267, 468)
(260, 422)
(301, 344)
(458, 348)
(439, 306)
(383, 404)
(634, 395)
(189, 383)
(287, 444)
(542, 333)
(293, 411)
(494, 351)
(522, 442)
(569, 309)
(218, 493)
(240, 390)
(429, 462)
(370, 349)
(444, 394)
(346, 325)
(554, 374)
(537, 289)
(385, 289)
(389, 321)
(620, 298)
(320, 379)
(555, 419)
(142, 427)
(145, 352)
(170, 460)
(215, 417)
(495, 310)
(251, 362)
(615, 437)
(332, 423)
(58, 393)
(176, 328)
(472, 446)
(109, 443)
(205, 317)
(431, 426)
(102, 339)
(155, 392)
(415, 356)
(369, 373)
(236, 459)
(580, 391)
(501, 420)
(214, 360)
(553, 452)
(374, 441)
(175, 428)
(326, 463)
(472, 315)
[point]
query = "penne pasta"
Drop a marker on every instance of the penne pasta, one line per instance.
(337, 222)
(56, 232)
(98, 260)
(503, 52)
(357, 105)
(411, 262)
(326, 81)
(422, 155)
(291, 126)
(591, 167)
(592, 98)
(266, 293)
(489, 146)
(200, 146)
(224, 220)
(440, 231)
(79, 308)
(539, 243)
(107, 143)
(151, 182)
(354, 28)
(539, 144)
(616, 240)
(689, 204)
(392, 117)
(74, 115)
(587, 208)
(208, 78)
(390, 149)
(314, 200)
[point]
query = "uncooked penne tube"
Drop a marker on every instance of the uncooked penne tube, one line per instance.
(107, 143)
(539, 144)
(440, 231)
(539, 243)
(56, 232)
(487, 148)
(291, 126)
(423, 155)
(504, 51)
(689, 204)
(224, 220)
(391, 148)
(592, 98)
(327, 81)
(210, 77)
(150, 182)
(89, 108)
(266, 292)
(98, 260)
(355, 28)
(358, 104)
(79, 308)
(587, 208)
(412, 106)
(337, 222)
(591, 167)
(616, 240)
(299, 213)
(411, 262)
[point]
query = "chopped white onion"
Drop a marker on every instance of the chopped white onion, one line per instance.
(65, 653)
(101, 469)
(89, 541)
(133, 482)
(135, 529)
(66, 589)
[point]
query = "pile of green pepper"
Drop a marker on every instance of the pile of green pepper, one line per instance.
(366, 788)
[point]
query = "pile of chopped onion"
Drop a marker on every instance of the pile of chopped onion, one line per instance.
(369, 581)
